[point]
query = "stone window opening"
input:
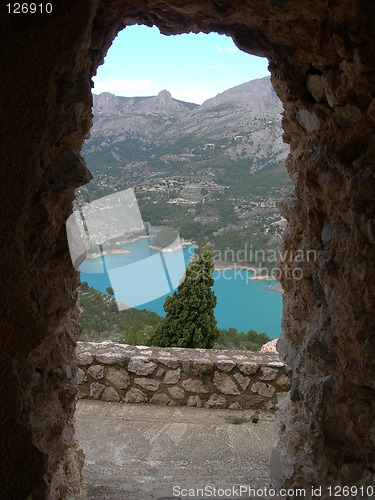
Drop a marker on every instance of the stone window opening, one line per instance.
(169, 184)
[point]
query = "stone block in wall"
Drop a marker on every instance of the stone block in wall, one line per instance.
(172, 376)
(110, 358)
(141, 366)
(96, 371)
(216, 401)
(119, 378)
(263, 389)
(160, 399)
(147, 383)
(276, 364)
(235, 406)
(81, 376)
(135, 395)
(176, 392)
(226, 365)
(170, 362)
(242, 380)
(253, 401)
(225, 384)
(110, 394)
(284, 382)
(268, 373)
(195, 385)
(202, 366)
(96, 390)
(248, 368)
(186, 365)
(84, 358)
(280, 396)
(194, 401)
(269, 406)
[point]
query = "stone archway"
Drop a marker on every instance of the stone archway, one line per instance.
(322, 65)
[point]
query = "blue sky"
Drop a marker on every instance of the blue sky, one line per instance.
(193, 67)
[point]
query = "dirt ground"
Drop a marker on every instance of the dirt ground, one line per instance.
(146, 452)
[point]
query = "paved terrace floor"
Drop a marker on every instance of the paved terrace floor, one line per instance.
(140, 452)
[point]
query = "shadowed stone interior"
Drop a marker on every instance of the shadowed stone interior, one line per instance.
(321, 56)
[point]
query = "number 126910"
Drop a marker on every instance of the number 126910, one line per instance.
(29, 8)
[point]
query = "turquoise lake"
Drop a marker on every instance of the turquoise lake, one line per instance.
(242, 303)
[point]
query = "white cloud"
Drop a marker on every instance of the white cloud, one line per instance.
(122, 87)
(196, 95)
(228, 50)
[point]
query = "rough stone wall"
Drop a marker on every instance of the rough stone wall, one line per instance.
(181, 377)
(322, 62)
(326, 426)
(45, 114)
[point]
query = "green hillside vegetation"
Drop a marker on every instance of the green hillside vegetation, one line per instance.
(233, 339)
(101, 320)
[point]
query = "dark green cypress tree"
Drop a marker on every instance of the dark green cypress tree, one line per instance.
(190, 320)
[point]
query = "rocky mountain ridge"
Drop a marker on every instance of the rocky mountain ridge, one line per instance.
(249, 113)
(213, 172)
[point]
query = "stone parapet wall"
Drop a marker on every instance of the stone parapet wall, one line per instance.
(181, 377)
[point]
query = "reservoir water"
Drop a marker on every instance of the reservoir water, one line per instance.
(242, 303)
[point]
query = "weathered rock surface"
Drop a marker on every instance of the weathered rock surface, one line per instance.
(172, 376)
(225, 384)
(160, 399)
(192, 385)
(84, 358)
(226, 365)
(80, 376)
(135, 395)
(147, 383)
(170, 362)
(96, 390)
(248, 368)
(119, 378)
(242, 380)
(216, 401)
(268, 373)
(110, 394)
(96, 371)
(176, 392)
(111, 358)
(194, 401)
(263, 389)
(141, 366)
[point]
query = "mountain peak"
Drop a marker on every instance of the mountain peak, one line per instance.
(165, 94)
(246, 118)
